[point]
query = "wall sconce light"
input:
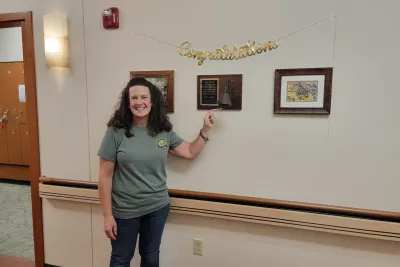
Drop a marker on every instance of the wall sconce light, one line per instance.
(56, 40)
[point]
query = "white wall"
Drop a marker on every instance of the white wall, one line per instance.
(225, 243)
(234, 244)
(11, 45)
(352, 152)
(74, 107)
(346, 159)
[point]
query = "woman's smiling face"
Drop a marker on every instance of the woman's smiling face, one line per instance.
(140, 101)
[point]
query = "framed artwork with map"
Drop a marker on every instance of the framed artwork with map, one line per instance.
(163, 80)
(303, 91)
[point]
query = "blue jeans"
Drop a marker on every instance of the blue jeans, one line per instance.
(150, 228)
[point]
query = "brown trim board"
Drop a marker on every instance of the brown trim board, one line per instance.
(14, 172)
(257, 202)
(345, 225)
(10, 24)
(289, 205)
(67, 182)
(25, 20)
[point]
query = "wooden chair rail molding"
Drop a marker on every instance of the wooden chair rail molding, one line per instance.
(339, 220)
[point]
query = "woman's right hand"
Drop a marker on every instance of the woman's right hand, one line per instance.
(110, 226)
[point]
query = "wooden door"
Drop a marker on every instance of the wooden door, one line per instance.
(25, 143)
(14, 137)
(3, 110)
(3, 139)
(14, 144)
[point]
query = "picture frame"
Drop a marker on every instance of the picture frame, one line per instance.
(219, 91)
(303, 91)
(162, 79)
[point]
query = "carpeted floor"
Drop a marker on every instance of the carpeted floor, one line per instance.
(16, 234)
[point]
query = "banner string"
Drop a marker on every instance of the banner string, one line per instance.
(333, 65)
(154, 39)
(277, 39)
(308, 26)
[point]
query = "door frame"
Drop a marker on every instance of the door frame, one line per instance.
(25, 18)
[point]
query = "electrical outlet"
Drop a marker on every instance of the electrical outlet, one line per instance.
(198, 247)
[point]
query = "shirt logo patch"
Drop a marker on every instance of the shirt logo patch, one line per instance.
(162, 144)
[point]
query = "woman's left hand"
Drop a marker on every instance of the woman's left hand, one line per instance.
(209, 121)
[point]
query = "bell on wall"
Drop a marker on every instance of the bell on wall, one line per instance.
(226, 95)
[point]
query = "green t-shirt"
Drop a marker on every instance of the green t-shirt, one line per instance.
(139, 182)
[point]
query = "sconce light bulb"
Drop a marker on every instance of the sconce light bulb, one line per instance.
(52, 46)
(55, 29)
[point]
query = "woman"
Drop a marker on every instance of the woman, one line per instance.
(132, 182)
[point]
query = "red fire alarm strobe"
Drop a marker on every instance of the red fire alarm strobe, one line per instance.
(110, 18)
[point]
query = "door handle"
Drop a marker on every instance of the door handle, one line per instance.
(3, 118)
(15, 114)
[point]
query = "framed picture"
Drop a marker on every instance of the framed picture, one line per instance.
(219, 91)
(303, 91)
(163, 80)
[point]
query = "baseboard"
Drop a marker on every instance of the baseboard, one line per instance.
(11, 181)
(49, 265)
(14, 172)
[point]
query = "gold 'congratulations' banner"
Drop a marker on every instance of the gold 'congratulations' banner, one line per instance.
(250, 49)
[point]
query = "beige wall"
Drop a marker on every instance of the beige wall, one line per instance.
(352, 152)
(356, 146)
(70, 230)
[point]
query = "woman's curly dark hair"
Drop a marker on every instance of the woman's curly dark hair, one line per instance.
(123, 118)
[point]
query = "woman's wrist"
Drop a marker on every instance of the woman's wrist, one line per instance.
(107, 214)
(204, 131)
(204, 134)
